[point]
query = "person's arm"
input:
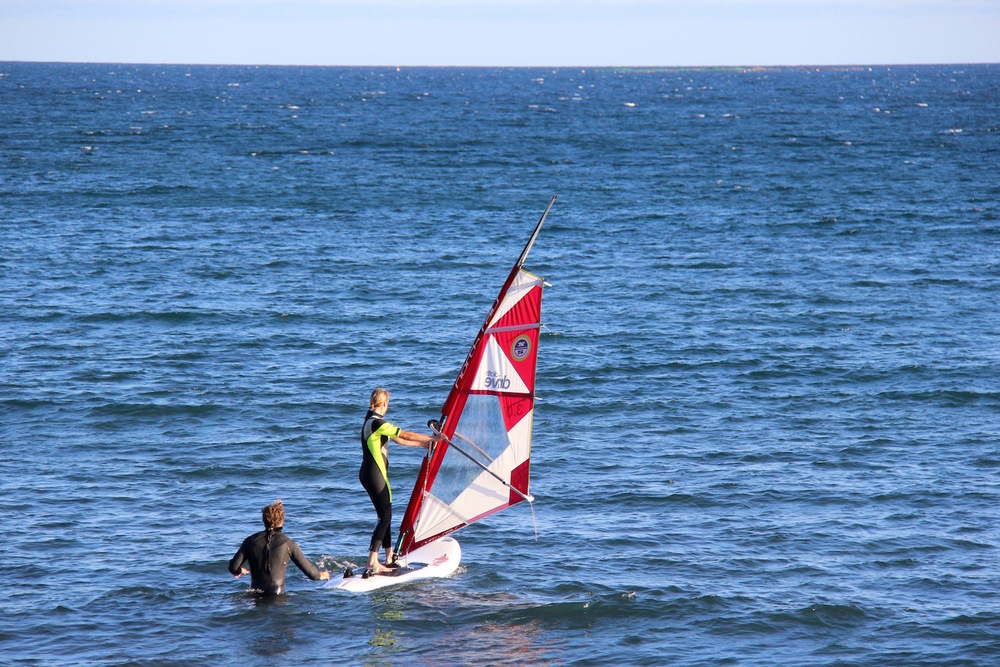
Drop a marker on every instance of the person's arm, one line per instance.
(236, 562)
(306, 565)
(414, 439)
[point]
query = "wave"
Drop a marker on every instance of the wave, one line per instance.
(157, 410)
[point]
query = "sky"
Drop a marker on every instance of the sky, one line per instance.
(639, 33)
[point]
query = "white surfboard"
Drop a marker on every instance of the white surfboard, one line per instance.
(439, 558)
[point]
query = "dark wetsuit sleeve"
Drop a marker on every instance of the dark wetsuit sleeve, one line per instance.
(302, 562)
(237, 561)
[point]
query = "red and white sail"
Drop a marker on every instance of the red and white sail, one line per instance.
(481, 466)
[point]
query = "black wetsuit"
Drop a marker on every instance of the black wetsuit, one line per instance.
(374, 474)
(268, 553)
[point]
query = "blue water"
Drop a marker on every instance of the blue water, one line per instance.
(768, 426)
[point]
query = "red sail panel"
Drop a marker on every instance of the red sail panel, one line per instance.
(519, 480)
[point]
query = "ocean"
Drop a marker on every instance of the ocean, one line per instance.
(767, 428)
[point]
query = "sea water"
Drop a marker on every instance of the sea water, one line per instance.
(768, 418)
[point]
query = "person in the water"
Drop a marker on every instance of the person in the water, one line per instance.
(268, 553)
(374, 474)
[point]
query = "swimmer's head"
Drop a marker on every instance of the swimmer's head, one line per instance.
(273, 515)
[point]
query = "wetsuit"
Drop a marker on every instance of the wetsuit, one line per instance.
(268, 553)
(374, 474)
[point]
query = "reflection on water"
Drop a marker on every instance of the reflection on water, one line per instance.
(382, 638)
(386, 617)
(525, 642)
(274, 630)
(272, 643)
(433, 621)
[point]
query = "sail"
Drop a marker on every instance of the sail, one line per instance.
(481, 466)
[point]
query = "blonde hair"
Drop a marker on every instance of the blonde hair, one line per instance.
(273, 514)
(380, 395)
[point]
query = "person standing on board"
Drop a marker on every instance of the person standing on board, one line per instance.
(268, 553)
(374, 474)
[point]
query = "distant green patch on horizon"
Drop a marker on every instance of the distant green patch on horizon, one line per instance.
(741, 69)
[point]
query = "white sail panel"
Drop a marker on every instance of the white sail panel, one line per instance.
(520, 439)
(486, 494)
(436, 518)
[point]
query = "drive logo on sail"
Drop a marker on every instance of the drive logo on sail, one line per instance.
(494, 380)
(520, 348)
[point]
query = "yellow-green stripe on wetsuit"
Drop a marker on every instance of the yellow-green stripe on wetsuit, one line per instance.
(374, 440)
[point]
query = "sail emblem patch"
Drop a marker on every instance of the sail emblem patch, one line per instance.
(520, 348)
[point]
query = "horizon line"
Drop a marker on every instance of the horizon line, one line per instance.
(647, 67)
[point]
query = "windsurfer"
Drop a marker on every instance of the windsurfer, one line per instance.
(374, 474)
(268, 553)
